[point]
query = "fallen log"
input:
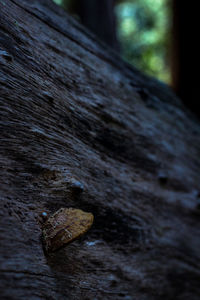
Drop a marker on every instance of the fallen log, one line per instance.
(80, 128)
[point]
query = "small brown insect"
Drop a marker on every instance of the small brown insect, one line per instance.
(64, 226)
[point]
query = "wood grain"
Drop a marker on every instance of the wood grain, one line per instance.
(73, 111)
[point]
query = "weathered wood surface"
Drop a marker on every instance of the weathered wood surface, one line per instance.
(72, 110)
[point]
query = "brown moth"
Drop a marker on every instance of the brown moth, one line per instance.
(64, 226)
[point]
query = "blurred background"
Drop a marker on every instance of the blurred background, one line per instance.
(159, 37)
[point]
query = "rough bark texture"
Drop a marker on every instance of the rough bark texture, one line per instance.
(72, 110)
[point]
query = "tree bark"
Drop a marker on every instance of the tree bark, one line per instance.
(73, 111)
(98, 16)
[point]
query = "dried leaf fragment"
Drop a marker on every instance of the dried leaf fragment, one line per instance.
(64, 226)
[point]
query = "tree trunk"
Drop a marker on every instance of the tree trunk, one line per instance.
(73, 111)
(98, 16)
(185, 53)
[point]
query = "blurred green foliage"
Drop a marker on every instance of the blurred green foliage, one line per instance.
(59, 2)
(143, 29)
